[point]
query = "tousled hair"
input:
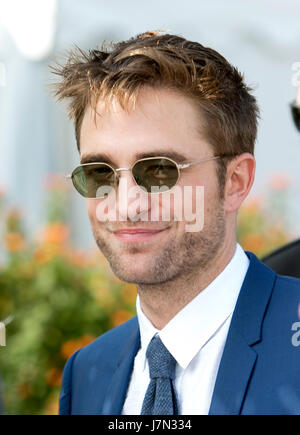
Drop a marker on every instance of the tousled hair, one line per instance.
(156, 60)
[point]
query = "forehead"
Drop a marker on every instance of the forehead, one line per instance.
(162, 120)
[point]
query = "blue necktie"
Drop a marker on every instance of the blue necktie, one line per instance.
(160, 397)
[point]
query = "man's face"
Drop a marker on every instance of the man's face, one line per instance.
(163, 123)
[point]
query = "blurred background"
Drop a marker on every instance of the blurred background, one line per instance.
(56, 292)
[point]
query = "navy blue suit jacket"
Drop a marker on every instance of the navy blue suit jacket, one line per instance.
(259, 371)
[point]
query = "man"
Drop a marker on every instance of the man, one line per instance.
(156, 115)
(286, 260)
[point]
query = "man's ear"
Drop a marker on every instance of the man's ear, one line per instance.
(239, 180)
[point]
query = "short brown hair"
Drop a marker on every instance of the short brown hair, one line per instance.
(153, 59)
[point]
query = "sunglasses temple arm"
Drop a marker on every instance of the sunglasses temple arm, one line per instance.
(187, 165)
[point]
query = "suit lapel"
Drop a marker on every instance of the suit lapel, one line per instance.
(116, 391)
(236, 366)
(238, 360)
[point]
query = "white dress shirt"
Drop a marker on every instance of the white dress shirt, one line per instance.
(195, 337)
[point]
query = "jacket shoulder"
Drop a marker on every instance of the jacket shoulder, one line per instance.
(285, 260)
(101, 356)
(110, 341)
(289, 286)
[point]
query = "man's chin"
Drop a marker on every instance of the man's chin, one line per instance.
(132, 264)
(134, 276)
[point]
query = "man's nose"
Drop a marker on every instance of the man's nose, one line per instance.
(132, 201)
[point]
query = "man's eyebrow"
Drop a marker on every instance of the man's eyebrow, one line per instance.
(178, 157)
(93, 158)
(98, 157)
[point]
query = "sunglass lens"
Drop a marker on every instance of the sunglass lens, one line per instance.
(296, 116)
(155, 173)
(93, 181)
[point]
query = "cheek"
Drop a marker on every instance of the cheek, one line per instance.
(91, 206)
(202, 198)
(209, 183)
(168, 206)
(182, 204)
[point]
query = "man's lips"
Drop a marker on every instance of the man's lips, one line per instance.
(136, 234)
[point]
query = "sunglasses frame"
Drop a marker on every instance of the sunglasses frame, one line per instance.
(179, 167)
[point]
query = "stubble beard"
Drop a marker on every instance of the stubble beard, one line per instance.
(193, 252)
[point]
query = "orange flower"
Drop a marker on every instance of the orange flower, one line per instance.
(279, 181)
(14, 241)
(24, 390)
(251, 206)
(54, 377)
(128, 293)
(253, 242)
(78, 258)
(70, 346)
(43, 254)
(119, 317)
(56, 233)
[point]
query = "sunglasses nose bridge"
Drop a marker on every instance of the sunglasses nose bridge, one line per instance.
(118, 175)
(126, 198)
(122, 169)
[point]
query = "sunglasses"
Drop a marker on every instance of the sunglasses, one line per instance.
(96, 180)
(295, 109)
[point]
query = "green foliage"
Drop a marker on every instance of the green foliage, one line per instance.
(60, 300)
(262, 222)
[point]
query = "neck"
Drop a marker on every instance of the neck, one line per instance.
(161, 302)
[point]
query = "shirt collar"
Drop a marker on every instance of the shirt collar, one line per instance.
(192, 327)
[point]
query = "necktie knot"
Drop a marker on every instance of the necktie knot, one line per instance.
(161, 362)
